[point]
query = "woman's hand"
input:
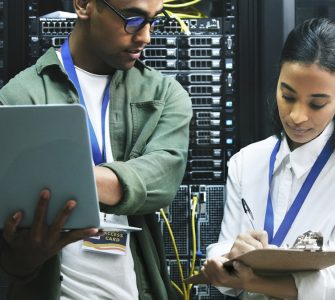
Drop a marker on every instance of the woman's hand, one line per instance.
(240, 277)
(248, 241)
(215, 272)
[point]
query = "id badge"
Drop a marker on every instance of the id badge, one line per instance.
(112, 242)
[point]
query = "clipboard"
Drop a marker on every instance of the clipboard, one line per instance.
(277, 261)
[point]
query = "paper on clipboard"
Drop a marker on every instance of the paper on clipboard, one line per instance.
(278, 261)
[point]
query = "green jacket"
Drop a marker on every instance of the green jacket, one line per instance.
(149, 129)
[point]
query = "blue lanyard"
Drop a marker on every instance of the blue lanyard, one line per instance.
(290, 216)
(98, 156)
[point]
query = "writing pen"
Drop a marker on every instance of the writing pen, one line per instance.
(247, 210)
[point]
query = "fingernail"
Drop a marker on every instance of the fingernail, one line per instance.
(15, 216)
(45, 194)
(71, 204)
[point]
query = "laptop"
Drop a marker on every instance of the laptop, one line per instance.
(47, 146)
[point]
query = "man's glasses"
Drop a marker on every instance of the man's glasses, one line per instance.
(135, 24)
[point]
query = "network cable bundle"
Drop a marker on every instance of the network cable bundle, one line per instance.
(200, 53)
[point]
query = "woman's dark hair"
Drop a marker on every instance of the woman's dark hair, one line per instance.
(311, 42)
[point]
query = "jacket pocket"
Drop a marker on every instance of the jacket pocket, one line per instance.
(145, 117)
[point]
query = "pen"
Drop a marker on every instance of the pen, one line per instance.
(247, 210)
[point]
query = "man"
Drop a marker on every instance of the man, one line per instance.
(142, 165)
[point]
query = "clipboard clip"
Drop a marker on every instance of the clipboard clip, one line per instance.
(309, 241)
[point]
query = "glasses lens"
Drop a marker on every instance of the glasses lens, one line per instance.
(134, 24)
(154, 25)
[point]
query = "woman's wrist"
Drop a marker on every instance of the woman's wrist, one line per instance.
(254, 283)
(281, 286)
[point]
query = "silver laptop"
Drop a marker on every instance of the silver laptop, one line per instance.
(46, 146)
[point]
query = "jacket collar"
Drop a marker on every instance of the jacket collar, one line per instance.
(302, 159)
(49, 59)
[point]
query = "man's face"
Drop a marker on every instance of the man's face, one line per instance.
(107, 38)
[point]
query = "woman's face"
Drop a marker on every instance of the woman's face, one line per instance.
(306, 101)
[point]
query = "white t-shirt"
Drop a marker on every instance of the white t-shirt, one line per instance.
(89, 275)
(248, 179)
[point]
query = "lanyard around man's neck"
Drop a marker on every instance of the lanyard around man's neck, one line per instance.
(98, 156)
(291, 214)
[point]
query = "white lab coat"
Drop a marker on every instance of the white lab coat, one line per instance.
(248, 179)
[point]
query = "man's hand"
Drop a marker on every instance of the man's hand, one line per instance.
(109, 188)
(25, 250)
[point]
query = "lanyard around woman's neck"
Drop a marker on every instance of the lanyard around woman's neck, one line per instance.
(98, 156)
(291, 214)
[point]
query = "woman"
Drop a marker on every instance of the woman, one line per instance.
(270, 175)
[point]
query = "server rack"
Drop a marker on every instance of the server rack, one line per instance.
(3, 78)
(206, 64)
(3, 42)
(260, 27)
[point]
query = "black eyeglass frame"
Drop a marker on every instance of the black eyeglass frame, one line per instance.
(126, 20)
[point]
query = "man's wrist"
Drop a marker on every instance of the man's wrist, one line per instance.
(17, 272)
